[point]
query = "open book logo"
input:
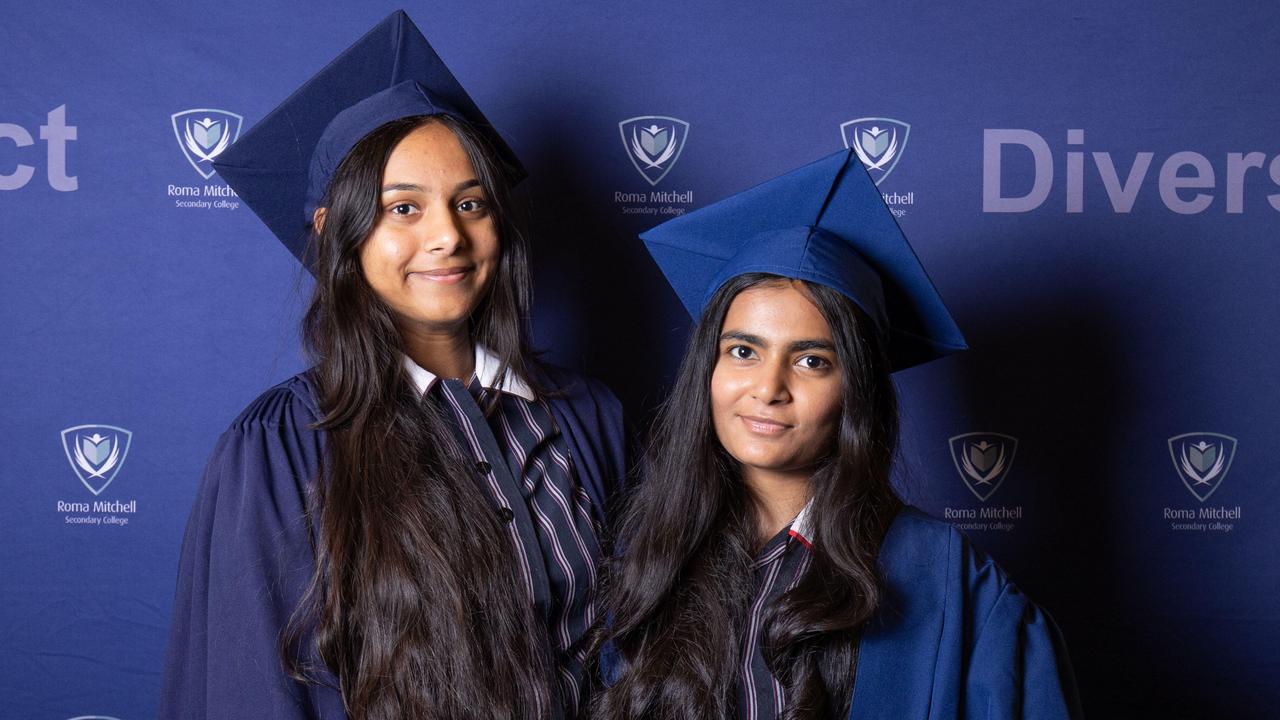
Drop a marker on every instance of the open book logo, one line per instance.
(203, 133)
(654, 144)
(878, 142)
(96, 453)
(1202, 460)
(983, 460)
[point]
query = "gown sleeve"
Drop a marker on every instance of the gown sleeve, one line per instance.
(1019, 669)
(247, 557)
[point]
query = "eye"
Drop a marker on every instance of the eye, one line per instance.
(403, 208)
(813, 362)
(472, 205)
(741, 352)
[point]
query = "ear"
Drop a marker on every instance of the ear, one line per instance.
(317, 219)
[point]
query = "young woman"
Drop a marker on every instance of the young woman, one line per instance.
(407, 530)
(768, 570)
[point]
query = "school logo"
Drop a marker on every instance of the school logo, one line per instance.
(1202, 460)
(879, 143)
(654, 144)
(203, 134)
(96, 453)
(983, 460)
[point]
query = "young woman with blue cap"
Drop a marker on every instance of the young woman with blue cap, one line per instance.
(768, 570)
(407, 530)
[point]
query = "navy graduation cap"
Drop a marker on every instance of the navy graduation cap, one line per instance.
(282, 166)
(826, 223)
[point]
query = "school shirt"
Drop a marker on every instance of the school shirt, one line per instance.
(249, 550)
(780, 564)
(523, 466)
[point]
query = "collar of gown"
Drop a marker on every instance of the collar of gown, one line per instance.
(486, 372)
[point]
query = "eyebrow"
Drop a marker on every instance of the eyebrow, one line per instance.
(413, 187)
(403, 186)
(796, 346)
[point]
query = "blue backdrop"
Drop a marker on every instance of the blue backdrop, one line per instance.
(1095, 189)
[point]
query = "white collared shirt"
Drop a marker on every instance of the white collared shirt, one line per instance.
(486, 372)
(800, 526)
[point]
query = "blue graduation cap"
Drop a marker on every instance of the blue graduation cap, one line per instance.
(826, 223)
(282, 166)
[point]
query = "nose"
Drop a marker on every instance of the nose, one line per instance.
(769, 385)
(442, 232)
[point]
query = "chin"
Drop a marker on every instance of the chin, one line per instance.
(761, 460)
(438, 319)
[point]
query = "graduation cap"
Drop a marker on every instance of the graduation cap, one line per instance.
(826, 223)
(281, 167)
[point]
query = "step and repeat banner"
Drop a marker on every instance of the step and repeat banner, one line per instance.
(1094, 188)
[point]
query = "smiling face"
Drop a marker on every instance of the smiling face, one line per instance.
(776, 386)
(434, 247)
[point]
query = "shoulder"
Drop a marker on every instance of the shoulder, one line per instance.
(291, 403)
(273, 446)
(940, 589)
(255, 487)
(926, 556)
(915, 538)
(914, 527)
(576, 389)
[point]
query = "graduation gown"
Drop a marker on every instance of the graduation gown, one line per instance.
(249, 549)
(954, 638)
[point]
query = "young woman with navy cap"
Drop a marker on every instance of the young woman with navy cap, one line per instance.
(768, 570)
(408, 529)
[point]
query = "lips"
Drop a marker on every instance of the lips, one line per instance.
(764, 426)
(445, 276)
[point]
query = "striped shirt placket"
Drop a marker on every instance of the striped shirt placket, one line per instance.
(753, 630)
(581, 505)
(583, 514)
(559, 497)
(562, 561)
(588, 521)
(779, 692)
(569, 682)
(496, 489)
(547, 523)
(566, 615)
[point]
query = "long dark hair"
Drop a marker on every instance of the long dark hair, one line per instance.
(415, 602)
(677, 597)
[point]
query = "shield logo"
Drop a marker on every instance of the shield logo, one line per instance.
(1202, 460)
(879, 143)
(96, 453)
(983, 460)
(654, 144)
(203, 133)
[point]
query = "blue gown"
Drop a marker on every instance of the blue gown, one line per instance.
(954, 638)
(248, 553)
